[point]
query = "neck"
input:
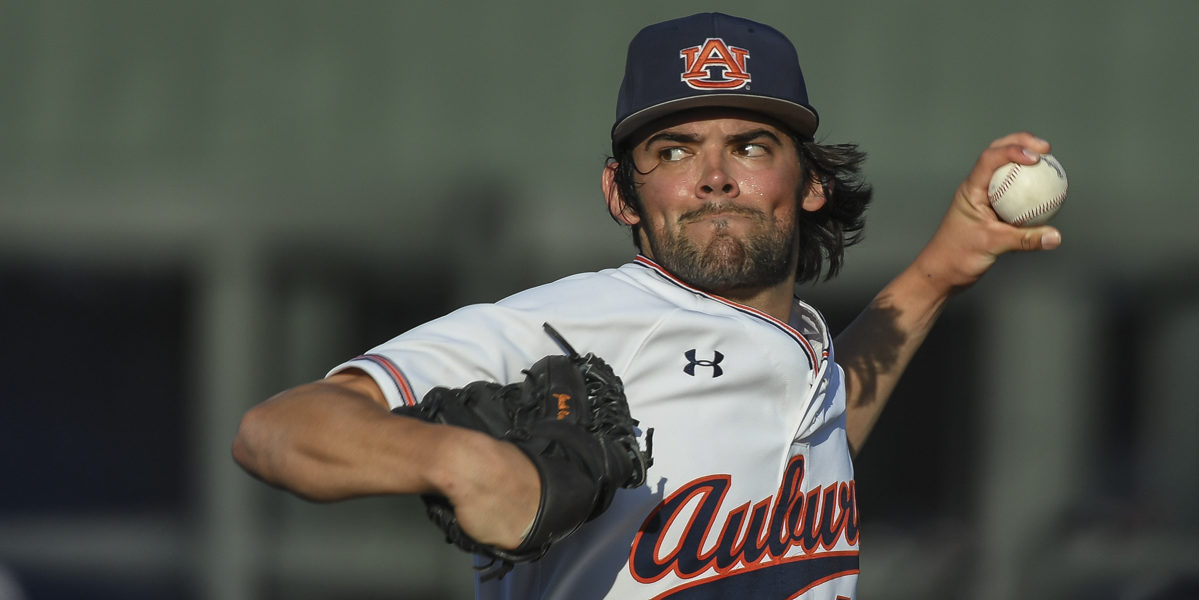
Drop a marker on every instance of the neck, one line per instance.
(775, 299)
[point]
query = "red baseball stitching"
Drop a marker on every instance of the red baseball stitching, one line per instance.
(1005, 184)
(1040, 210)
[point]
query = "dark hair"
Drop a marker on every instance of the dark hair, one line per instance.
(823, 234)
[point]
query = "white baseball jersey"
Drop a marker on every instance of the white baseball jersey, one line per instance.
(751, 494)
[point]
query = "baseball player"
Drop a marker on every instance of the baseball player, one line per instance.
(756, 409)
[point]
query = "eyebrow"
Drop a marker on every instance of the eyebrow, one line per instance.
(749, 136)
(671, 136)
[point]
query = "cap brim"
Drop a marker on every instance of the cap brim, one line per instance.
(801, 119)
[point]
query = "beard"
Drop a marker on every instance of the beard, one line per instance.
(727, 264)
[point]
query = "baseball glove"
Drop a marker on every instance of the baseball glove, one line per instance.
(570, 417)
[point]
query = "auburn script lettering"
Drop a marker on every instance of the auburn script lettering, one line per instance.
(767, 530)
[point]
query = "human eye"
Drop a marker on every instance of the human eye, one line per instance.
(752, 150)
(672, 154)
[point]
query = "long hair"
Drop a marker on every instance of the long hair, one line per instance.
(823, 234)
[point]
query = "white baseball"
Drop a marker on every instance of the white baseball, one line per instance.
(1027, 195)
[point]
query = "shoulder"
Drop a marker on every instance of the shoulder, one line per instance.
(604, 305)
(597, 287)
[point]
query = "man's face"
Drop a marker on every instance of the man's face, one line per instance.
(719, 202)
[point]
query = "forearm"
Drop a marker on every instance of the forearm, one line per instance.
(326, 442)
(877, 347)
(335, 439)
(879, 344)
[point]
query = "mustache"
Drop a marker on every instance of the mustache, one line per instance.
(711, 209)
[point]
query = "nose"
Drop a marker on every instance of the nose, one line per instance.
(715, 180)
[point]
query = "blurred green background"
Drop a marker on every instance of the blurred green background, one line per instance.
(202, 203)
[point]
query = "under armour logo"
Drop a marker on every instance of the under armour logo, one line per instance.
(692, 362)
(715, 65)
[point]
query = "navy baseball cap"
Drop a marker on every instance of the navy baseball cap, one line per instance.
(712, 60)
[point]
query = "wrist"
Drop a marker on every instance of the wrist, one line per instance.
(928, 279)
(453, 452)
(945, 268)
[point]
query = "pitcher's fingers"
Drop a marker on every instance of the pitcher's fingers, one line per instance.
(999, 154)
(1022, 138)
(1044, 237)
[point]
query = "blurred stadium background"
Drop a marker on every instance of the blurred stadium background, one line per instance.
(202, 203)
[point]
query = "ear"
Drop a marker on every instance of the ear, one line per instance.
(814, 197)
(617, 207)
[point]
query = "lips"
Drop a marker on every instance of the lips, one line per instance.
(717, 211)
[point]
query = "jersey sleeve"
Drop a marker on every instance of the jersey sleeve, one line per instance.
(480, 342)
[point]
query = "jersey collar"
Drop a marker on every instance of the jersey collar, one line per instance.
(786, 328)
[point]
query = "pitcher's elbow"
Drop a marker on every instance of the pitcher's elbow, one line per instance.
(247, 444)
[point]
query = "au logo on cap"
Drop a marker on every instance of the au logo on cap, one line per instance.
(715, 65)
